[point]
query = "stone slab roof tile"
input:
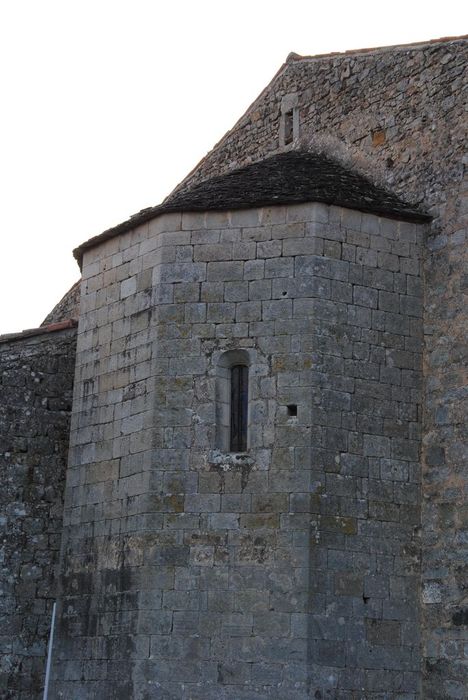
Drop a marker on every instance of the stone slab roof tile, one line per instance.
(293, 177)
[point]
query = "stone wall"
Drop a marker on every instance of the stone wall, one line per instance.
(291, 570)
(67, 307)
(398, 114)
(36, 378)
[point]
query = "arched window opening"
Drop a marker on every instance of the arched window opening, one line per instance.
(239, 408)
(232, 401)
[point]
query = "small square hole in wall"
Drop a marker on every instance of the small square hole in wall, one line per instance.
(292, 409)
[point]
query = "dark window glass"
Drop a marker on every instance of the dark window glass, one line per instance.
(239, 407)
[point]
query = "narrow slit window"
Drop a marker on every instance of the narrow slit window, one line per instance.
(239, 407)
(288, 127)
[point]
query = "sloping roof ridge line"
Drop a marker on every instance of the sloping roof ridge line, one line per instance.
(40, 330)
(291, 59)
(297, 58)
(284, 66)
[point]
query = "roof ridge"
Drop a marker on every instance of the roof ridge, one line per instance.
(296, 58)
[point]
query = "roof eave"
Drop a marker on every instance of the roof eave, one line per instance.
(410, 215)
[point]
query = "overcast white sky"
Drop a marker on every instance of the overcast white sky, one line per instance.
(107, 104)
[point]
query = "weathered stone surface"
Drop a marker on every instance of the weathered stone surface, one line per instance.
(36, 380)
(292, 564)
(399, 115)
(297, 569)
(68, 307)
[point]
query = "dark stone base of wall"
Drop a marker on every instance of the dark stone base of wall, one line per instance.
(36, 381)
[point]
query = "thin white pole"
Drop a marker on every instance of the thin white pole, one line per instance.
(49, 654)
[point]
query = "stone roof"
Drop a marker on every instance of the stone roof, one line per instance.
(293, 177)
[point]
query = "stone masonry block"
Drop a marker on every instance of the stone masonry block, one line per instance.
(212, 252)
(182, 272)
(225, 271)
(236, 291)
(279, 267)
